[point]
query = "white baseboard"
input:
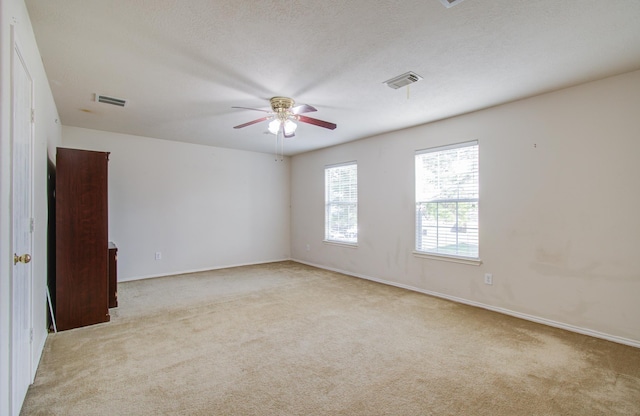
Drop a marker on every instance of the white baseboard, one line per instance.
(206, 269)
(532, 318)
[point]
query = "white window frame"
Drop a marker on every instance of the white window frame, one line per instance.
(347, 233)
(431, 197)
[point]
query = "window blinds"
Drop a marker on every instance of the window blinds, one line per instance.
(447, 197)
(341, 203)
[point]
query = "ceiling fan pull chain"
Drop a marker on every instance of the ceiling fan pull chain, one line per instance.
(279, 146)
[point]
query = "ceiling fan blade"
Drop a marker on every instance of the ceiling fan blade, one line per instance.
(251, 122)
(317, 122)
(303, 108)
(256, 109)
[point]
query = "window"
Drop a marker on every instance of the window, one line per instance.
(341, 203)
(447, 200)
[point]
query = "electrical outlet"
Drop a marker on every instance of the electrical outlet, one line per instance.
(308, 247)
(158, 255)
(488, 279)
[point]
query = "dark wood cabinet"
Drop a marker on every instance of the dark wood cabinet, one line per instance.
(82, 261)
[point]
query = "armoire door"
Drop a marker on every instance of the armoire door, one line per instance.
(82, 285)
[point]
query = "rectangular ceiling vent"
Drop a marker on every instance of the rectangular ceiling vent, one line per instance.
(110, 100)
(450, 3)
(403, 80)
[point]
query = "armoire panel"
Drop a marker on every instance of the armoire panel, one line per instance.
(82, 285)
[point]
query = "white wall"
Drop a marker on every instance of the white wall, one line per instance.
(202, 207)
(559, 203)
(47, 135)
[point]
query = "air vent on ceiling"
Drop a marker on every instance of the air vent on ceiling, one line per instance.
(403, 80)
(450, 3)
(110, 100)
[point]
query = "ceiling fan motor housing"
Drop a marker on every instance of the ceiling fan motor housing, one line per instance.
(282, 106)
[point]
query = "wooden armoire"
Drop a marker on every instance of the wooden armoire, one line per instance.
(82, 256)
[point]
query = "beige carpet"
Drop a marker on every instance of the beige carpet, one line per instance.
(288, 339)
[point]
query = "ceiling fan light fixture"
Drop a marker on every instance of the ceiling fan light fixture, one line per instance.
(289, 127)
(274, 126)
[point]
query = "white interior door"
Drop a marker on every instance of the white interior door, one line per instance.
(21, 197)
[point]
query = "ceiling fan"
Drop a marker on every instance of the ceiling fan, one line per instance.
(283, 116)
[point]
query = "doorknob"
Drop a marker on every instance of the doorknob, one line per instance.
(25, 258)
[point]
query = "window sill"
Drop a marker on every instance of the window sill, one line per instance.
(449, 258)
(340, 243)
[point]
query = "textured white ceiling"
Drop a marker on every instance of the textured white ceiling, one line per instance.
(183, 64)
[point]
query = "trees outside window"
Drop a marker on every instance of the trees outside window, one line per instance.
(447, 191)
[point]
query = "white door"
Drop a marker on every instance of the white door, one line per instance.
(21, 194)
